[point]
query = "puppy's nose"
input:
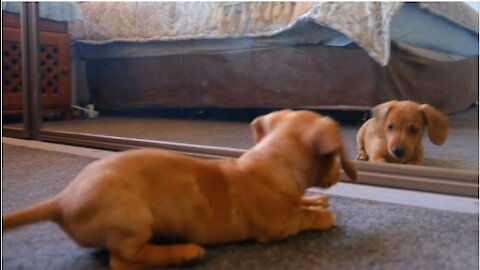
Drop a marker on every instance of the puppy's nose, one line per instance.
(398, 151)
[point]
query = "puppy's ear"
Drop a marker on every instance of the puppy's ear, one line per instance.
(437, 124)
(327, 140)
(380, 111)
(348, 165)
(326, 136)
(264, 124)
(258, 128)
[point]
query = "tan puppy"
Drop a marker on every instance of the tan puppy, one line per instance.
(124, 201)
(394, 133)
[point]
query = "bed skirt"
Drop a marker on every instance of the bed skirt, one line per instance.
(295, 77)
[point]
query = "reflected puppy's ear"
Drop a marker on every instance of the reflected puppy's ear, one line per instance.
(437, 124)
(380, 111)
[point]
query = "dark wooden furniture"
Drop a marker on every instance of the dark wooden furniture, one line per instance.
(54, 66)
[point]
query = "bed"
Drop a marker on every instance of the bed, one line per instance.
(276, 54)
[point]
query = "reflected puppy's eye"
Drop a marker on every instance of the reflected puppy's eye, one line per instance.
(390, 127)
(413, 130)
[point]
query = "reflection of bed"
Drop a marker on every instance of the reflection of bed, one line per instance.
(200, 54)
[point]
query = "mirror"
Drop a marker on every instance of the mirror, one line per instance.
(133, 75)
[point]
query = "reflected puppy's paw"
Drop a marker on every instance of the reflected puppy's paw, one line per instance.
(362, 155)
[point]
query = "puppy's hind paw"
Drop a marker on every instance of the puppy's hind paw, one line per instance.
(193, 252)
(325, 219)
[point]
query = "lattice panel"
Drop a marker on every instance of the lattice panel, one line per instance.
(12, 68)
(49, 69)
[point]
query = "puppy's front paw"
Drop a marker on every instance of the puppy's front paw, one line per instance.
(415, 162)
(362, 155)
(315, 200)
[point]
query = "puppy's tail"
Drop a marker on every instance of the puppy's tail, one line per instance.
(42, 211)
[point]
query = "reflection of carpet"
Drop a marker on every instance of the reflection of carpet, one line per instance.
(460, 150)
(369, 235)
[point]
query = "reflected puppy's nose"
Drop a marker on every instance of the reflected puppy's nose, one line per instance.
(398, 151)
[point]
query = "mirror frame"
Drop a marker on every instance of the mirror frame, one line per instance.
(430, 179)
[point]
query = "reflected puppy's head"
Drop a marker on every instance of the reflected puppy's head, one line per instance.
(405, 122)
(315, 136)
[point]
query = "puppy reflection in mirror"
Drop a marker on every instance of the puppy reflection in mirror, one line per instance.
(394, 133)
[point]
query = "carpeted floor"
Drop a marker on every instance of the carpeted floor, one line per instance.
(368, 235)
